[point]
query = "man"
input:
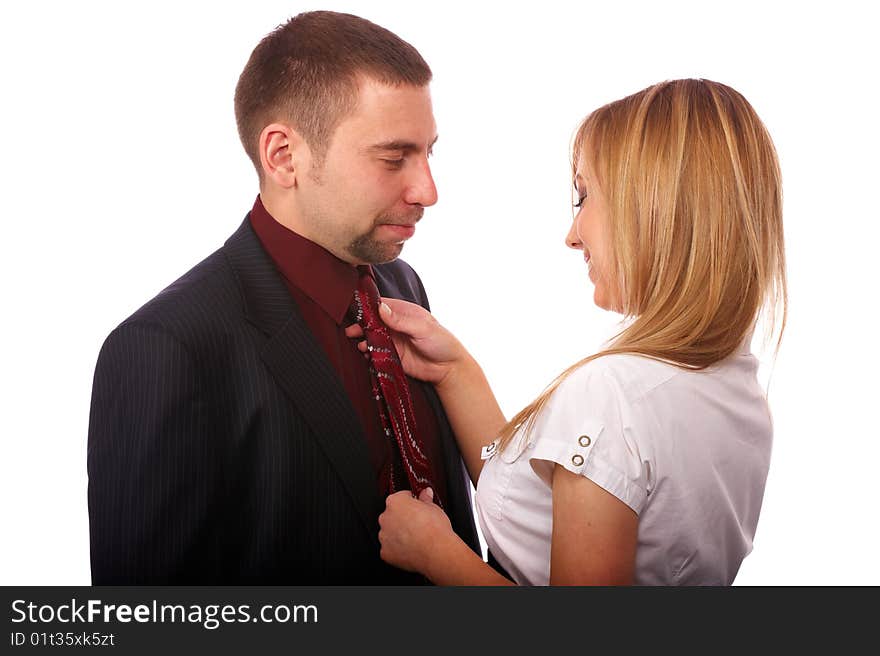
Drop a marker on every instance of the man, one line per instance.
(236, 435)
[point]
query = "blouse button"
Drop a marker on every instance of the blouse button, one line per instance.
(578, 460)
(584, 440)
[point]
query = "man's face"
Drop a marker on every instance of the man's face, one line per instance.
(365, 199)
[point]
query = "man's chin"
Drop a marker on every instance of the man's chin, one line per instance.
(376, 252)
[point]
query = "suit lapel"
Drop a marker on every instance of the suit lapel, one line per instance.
(301, 369)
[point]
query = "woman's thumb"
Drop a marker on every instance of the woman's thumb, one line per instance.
(392, 319)
(427, 495)
(404, 317)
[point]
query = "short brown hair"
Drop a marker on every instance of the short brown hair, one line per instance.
(306, 72)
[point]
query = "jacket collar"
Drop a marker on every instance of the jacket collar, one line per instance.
(296, 360)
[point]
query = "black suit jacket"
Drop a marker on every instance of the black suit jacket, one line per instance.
(223, 448)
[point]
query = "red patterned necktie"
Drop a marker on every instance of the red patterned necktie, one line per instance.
(390, 388)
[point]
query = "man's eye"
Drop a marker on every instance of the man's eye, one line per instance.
(394, 163)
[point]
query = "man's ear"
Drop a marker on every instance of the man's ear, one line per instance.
(284, 154)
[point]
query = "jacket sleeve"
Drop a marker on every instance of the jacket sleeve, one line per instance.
(151, 460)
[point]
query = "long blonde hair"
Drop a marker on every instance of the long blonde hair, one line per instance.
(694, 193)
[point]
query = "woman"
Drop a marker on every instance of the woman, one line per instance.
(645, 463)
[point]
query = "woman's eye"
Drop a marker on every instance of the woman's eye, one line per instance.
(580, 202)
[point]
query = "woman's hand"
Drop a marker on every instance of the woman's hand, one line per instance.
(431, 353)
(412, 530)
(427, 350)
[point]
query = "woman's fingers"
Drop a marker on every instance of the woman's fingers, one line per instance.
(402, 316)
(354, 331)
(406, 318)
(404, 308)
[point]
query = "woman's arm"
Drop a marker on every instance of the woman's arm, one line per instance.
(457, 564)
(473, 412)
(594, 534)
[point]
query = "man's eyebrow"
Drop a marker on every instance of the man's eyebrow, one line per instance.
(399, 144)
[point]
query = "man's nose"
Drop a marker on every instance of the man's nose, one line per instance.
(573, 239)
(421, 190)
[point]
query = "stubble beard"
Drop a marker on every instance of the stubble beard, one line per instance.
(368, 248)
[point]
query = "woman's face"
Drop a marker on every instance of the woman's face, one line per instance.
(588, 234)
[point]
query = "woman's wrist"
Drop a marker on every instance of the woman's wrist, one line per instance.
(441, 556)
(461, 372)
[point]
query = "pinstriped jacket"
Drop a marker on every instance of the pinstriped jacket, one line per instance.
(223, 448)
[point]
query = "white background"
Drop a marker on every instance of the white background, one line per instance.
(120, 168)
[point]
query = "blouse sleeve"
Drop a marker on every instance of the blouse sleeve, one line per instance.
(583, 428)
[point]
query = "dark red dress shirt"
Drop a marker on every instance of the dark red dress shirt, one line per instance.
(323, 288)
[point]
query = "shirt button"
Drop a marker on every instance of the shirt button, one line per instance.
(578, 460)
(584, 440)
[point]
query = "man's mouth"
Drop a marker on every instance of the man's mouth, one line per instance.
(402, 227)
(400, 230)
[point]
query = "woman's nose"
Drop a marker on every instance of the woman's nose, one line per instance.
(573, 239)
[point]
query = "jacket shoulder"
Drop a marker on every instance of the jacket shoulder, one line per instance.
(397, 279)
(202, 298)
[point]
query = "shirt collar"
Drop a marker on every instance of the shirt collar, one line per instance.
(311, 268)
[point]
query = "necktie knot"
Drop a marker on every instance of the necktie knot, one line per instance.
(366, 303)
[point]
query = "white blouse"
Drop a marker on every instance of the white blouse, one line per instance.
(688, 451)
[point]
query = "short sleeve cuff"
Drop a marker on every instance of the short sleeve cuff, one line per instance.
(616, 483)
(576, 455)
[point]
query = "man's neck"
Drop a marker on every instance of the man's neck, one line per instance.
(283, 212)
